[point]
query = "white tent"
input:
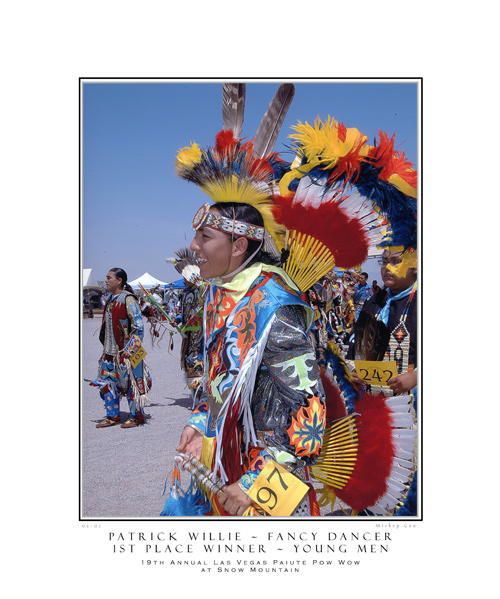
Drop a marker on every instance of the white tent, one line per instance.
(147, 281)
(86, 276)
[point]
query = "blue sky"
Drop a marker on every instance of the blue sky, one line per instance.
(136, 211)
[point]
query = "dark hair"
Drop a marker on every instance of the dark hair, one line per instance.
(247, 214)
(121, 274)
(364, 274)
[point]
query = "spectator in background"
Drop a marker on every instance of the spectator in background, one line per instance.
(389, 321)
(171, 301)
(362, 292)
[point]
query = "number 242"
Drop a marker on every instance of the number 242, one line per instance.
(376, 375)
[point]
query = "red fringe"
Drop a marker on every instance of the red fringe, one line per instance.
(231, 443)
(375, 454)
(335, 406)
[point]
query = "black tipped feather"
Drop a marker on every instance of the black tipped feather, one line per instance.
(233, 107)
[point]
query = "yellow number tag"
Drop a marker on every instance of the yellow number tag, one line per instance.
(376, 373)
(276, 490)
(138, 356)
(207, 451)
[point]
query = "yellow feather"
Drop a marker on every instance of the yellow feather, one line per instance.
(245, 191)
(322, 142)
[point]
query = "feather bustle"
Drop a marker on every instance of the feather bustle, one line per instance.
(335, 406)
(375, 454)
(344, 237)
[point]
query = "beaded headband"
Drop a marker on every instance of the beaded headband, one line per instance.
(205, 218)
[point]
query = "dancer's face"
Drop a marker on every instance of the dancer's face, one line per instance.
(113, 284)
(391, 281)
(218, 255)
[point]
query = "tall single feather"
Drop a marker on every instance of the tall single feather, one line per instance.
(269, 127)
(233, 107)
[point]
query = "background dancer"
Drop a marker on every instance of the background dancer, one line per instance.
(121, 334)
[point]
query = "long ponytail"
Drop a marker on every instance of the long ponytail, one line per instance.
(121, 274)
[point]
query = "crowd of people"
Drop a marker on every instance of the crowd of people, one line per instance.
(273, 329)
(338, 299)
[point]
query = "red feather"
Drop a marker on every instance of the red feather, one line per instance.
(350, 163)
(261, 169)
(344, 237)
(225, 141)
(404, 169)
(391, 161)
(381, 153)
(375, 454)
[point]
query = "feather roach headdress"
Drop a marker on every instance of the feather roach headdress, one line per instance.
(237, 171)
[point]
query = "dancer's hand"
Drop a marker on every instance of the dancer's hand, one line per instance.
(403, 382)
(234, 500)
(190, 442)
(359, 383)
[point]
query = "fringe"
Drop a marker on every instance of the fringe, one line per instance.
(142, 400)
(242, 388)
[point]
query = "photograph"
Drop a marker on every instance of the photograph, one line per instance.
(250, 321)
